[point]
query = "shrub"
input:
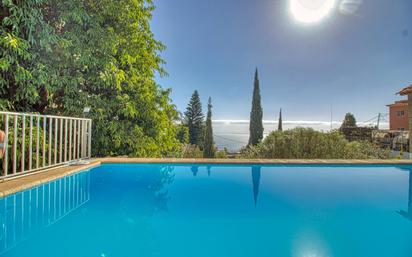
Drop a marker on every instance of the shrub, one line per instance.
(192, 151)
(306, 143)
(222, 154)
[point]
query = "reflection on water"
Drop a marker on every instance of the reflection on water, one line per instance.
(24, 213)
(163, 210)
(256, 171)
(195, 170)
(408, 214)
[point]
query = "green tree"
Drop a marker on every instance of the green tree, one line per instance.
(349, 121)
(26, 40)
(209, 147)
(194, 119)
(256, 125)
(280, 123)
(182, 134)
(87, 53)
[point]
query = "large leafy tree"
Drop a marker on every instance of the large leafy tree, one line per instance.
(26, 40)
(103, 54)
(194, 119)
(256, 124)
(209, 147)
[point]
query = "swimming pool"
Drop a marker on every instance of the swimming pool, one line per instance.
(157, 210)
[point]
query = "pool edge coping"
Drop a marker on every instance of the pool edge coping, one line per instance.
(8, 187)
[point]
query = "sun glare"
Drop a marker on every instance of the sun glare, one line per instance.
(310, 11)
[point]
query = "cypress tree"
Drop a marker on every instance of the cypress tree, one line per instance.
(256, 125)
(194, 119)
(209, 147)
(280, 125)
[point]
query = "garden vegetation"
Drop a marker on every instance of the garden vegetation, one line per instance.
(57, 57)
(306, 143)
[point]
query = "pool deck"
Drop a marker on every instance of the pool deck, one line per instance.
(12, 186)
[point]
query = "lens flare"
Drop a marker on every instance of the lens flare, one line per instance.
(349, 7)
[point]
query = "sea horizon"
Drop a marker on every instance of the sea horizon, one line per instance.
(234, 134)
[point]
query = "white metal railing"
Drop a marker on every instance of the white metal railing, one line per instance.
(33, 142)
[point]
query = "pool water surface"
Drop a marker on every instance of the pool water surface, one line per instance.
(159, 210)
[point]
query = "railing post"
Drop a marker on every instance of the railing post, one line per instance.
(56, 132)
(37, 142)
(61, 141)
(68, 139)
(15, 144)
(65, 140)
(90, 139)
(74, 138)
(78, 138)
(50, 140)
(23, 142)
(30, 141)
(6, 146)
(44, 141)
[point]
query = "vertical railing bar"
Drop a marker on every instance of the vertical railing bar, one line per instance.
(79, 131)
(83, 138)
(37, 142)
(6, 146)
(71, 142)
(74, 138)
(50, 140)
(44, 141)
(56, 132)
(15, 144)
(65, 139)
(70, 139)
(90, 139)
(30, 142)
(61, 141)
(23, 143)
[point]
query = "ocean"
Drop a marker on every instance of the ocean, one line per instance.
(234, 134)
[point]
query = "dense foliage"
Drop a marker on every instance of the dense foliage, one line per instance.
(306, 143)
(194, 120)
(209, 145)
(57, 57)
(349, 121)
(256, 114)
(26, 42)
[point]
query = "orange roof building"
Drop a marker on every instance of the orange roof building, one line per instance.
(398, 115)
(406, 91)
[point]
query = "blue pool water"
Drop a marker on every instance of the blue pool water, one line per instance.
(221, 211)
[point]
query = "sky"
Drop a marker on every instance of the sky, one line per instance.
(350, 61)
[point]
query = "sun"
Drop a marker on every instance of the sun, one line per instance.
(310, 11)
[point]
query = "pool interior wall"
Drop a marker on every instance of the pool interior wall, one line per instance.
(213, 210)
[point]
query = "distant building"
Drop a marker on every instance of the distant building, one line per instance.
(398, 115)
